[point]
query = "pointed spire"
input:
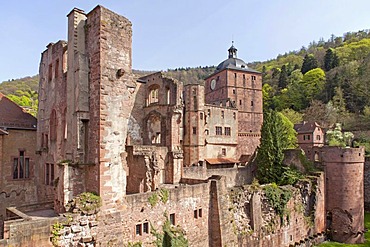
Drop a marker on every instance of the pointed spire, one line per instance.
(232, 50)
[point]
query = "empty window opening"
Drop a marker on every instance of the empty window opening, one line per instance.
(200, 213)
(240, 102)
(252, 103)
(56, 74)
(53, 125)
(153, 95)
(168, 94)
(201, 116)
(195, 214)
(172, 219)
(223, 151)
(50, 72)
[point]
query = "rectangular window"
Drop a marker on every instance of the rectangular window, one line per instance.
(234, 115)
(195, 214)
(318, 137)
(227, 131)
(240, 102)
(233, 91)
(223, 151)
(218, 130)
(146, 227)
(209, 113)
(201, 116)
(21, 166)
(222, 114)
(308, 137)
(194, 130)
(51, 174)
(47, 174)
(200, 213)
(15, 168)
(252, 103)
(243, 80)
(50, 76)
(27, 168)
(138, 230)
(172, 219)
(56, 68)
(253, 77)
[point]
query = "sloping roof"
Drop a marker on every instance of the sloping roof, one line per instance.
(306, 127)
(218, 161)
(12, 116)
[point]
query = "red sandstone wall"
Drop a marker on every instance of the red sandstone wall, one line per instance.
(247, 219)
(19, 192)
(344, 170)
(135, 209)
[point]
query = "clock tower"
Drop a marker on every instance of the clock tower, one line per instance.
(235, 85)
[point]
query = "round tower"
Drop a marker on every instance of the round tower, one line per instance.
(344, 171)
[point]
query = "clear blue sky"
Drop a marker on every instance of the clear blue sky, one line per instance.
(187, 33)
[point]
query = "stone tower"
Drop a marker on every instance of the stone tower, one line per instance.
(236, 84)
(86, 88)
(194, 136)
(344, 169)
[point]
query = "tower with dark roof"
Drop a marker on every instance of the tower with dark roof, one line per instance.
(234, 83)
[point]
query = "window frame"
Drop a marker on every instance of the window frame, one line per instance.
(21, 166)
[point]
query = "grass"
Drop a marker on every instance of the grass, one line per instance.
(367, 237)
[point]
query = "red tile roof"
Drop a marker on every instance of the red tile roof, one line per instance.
(217, 161)
(12, 116)
(306, 127)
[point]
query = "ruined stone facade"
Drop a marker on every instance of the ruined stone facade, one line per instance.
(157, 149)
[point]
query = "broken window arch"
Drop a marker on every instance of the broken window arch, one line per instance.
(153, 94)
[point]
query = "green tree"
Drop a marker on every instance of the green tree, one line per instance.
(293, 116)
(283, 78)
(309, 63)
(335, 137)
(331, 60)
(314, 82)
(275, 137)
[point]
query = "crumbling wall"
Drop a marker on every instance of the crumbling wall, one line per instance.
(253, 221)
(181, 202)
(235, 176)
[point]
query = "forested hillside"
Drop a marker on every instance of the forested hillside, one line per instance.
(23, 92)
(327, 81)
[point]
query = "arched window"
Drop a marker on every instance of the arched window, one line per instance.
(53, 125)
(153, 95)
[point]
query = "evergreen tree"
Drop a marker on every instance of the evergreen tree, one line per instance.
(277, 134)
(331, 60)
(283, 78)
(309, 62)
